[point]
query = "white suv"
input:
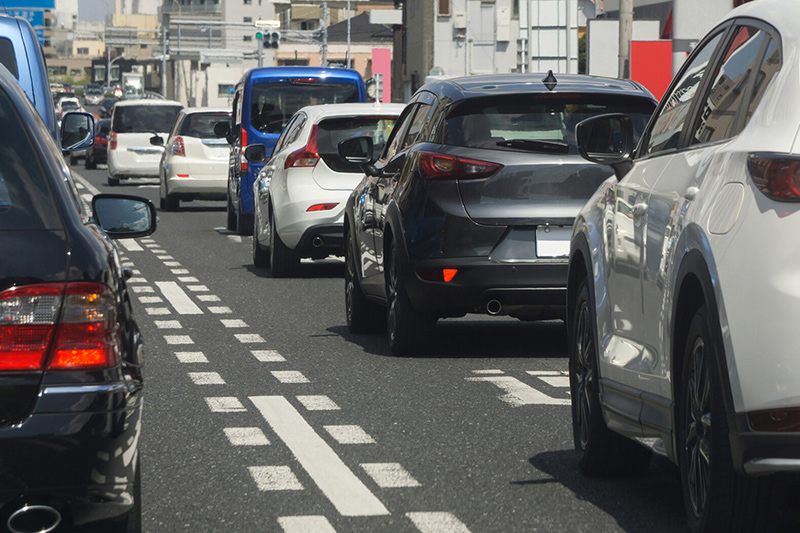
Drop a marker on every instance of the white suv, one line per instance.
(133, 150)
(684, 340)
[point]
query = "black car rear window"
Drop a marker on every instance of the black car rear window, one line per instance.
(26, 201)
(145, 118)
(7, 56)
(201, 125)
(274, 103)
(332, 131)
(543, 123)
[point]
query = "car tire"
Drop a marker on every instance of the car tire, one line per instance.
(714, 496)
(90, 163)
(113, 181)
(409, 330)
(362, 315)
(172, 203)
(244, 222)
(283, 261)
(601, 451)
(230, 223)
(260, 256)
(73, 160)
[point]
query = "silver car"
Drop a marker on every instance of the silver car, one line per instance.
(684, 284)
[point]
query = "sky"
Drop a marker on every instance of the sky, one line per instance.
(89, 10)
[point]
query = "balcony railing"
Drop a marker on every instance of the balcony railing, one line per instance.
(191, 9)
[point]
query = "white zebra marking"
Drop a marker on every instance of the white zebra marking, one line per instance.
(488, 371)
(138, 289)
(290, 376)
(206, 378)
(222, 310)
(178, 339)
(225, 404)
(178, 271)
(349, 434)
(157, 311)
(249, 338)
(268, 356)
(437, 523)
(233, 323)
(305, 524)
(519, 393)
(246, 436)
(151, 300)
(188, 279)
(168, 324)
(197, 288)
(191, 357)
(318, 403)
(389, 475)
(178, 298)
(270, 478)
(208, 298)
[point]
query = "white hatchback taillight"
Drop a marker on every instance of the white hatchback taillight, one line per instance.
(33, 336)
(307, 156)
(177, 147)
(112, 141)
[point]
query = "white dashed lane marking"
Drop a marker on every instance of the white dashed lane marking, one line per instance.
(178, 298)
(389, 475)
(437, 523)
(188, 279)
(290, 376)
(318, 403)
(206, 378)
(344, 490)
(225, 404)
(221, 310)
(269, 478)
(131, 245)
(191, 357)
(268, 356)
(208, 298)
(138, 289)
(178, 271)
(349, 434)
(246, 436)
(233, 323)
(305, 524)
(197, 288)
(178, 339)
(519, 393)
(168, 324)
(249, 338)
(157, 311)
(151, 300)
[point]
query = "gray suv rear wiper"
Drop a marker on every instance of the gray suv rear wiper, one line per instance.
(536, 145)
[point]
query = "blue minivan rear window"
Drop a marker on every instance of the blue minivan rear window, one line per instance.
(274, 102)
(7, 57)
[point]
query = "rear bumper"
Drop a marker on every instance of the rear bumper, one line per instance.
(127, 164)
(759, 453)
(322, 241)
(80, 461)
(526, 290)
(193, 187)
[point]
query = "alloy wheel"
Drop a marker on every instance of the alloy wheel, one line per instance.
(697, 445)
(584, 371)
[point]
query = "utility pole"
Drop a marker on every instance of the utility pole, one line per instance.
(347, 61)
(164, 61)
(324, 34)
(625, 34)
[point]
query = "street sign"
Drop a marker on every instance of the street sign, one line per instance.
(271, 24)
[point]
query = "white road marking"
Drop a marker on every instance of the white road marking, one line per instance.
(488, 371)
(220, 310)
(207, 298)
(178, 298)
(318, 403)
(344, 490)
(305, 524)
(389, 475)
(556, 381)
(233, 323)
(138, 289)
(136, 272)
(178, 271)
(158, 311)
(519, 393)
(275, 478)
(437, 523)
(191, 357)
(178, 339)
(137, 279)
(225, 404)
(131, 245)
(197, 288)
(268, 356)
(290, 376)
(127, 264)
(349, 434)
(151, 244)
(246, 436)
(164, 257)
(206, 378)
(158, 251)
(172, 263)
(168, 324)
(235, 238)
(188, 279)
(151, 300)
(547, 373)
(87, 199)
(249, 338)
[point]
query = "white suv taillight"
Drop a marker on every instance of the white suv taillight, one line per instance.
(112, 140)
(34, 337)
(177, 147)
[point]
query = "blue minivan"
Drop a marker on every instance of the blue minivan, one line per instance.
(264, 101)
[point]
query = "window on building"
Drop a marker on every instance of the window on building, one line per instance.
(83, 51)
(299, 62)
(248, 2)
(248, 38)
(248, 19)
(224, 89)
(444, 8)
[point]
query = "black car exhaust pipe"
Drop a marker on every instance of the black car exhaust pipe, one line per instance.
(34, 519)
(493, 307)
(317, 242)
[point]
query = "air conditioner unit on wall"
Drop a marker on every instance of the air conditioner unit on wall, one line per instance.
(459, 21)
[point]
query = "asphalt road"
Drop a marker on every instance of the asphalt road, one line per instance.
(263, 413)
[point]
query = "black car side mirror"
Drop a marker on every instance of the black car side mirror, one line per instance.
(256, 153)
(77, 131)
(607, 140)
(356, 150)
(124, 217)
(156, 140)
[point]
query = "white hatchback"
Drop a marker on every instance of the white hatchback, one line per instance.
(195, 162)
(300, 193)
(133, 150)
(684, 287)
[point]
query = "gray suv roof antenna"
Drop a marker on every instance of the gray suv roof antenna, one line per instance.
(550, 81)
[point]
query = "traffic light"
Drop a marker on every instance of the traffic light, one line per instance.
(272, 38)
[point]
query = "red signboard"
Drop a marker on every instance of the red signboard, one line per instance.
(651, 65)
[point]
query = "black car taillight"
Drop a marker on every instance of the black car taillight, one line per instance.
(33, 335)
(776, 175)
(433, 166)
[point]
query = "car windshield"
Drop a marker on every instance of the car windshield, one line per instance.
(145, 118)
(274, 103)
(201, 125)
(542, 123)
(70, 105)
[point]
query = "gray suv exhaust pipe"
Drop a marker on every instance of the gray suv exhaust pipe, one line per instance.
(34, 519)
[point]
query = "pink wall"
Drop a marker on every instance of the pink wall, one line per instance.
(382, 64)
(651, 65)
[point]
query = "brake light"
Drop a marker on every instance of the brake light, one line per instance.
(441, 275)
(304, 80)
(307, 156)
(776, 175)
(177, 146)
(112, 141)
(100, 140)
(321, 207)
(433, 166)
(242, 160)
(775, 420)
(86, 335)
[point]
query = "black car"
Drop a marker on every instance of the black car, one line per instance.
(70, 367)
(98, 153)
(106, 105)
(470, 207)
